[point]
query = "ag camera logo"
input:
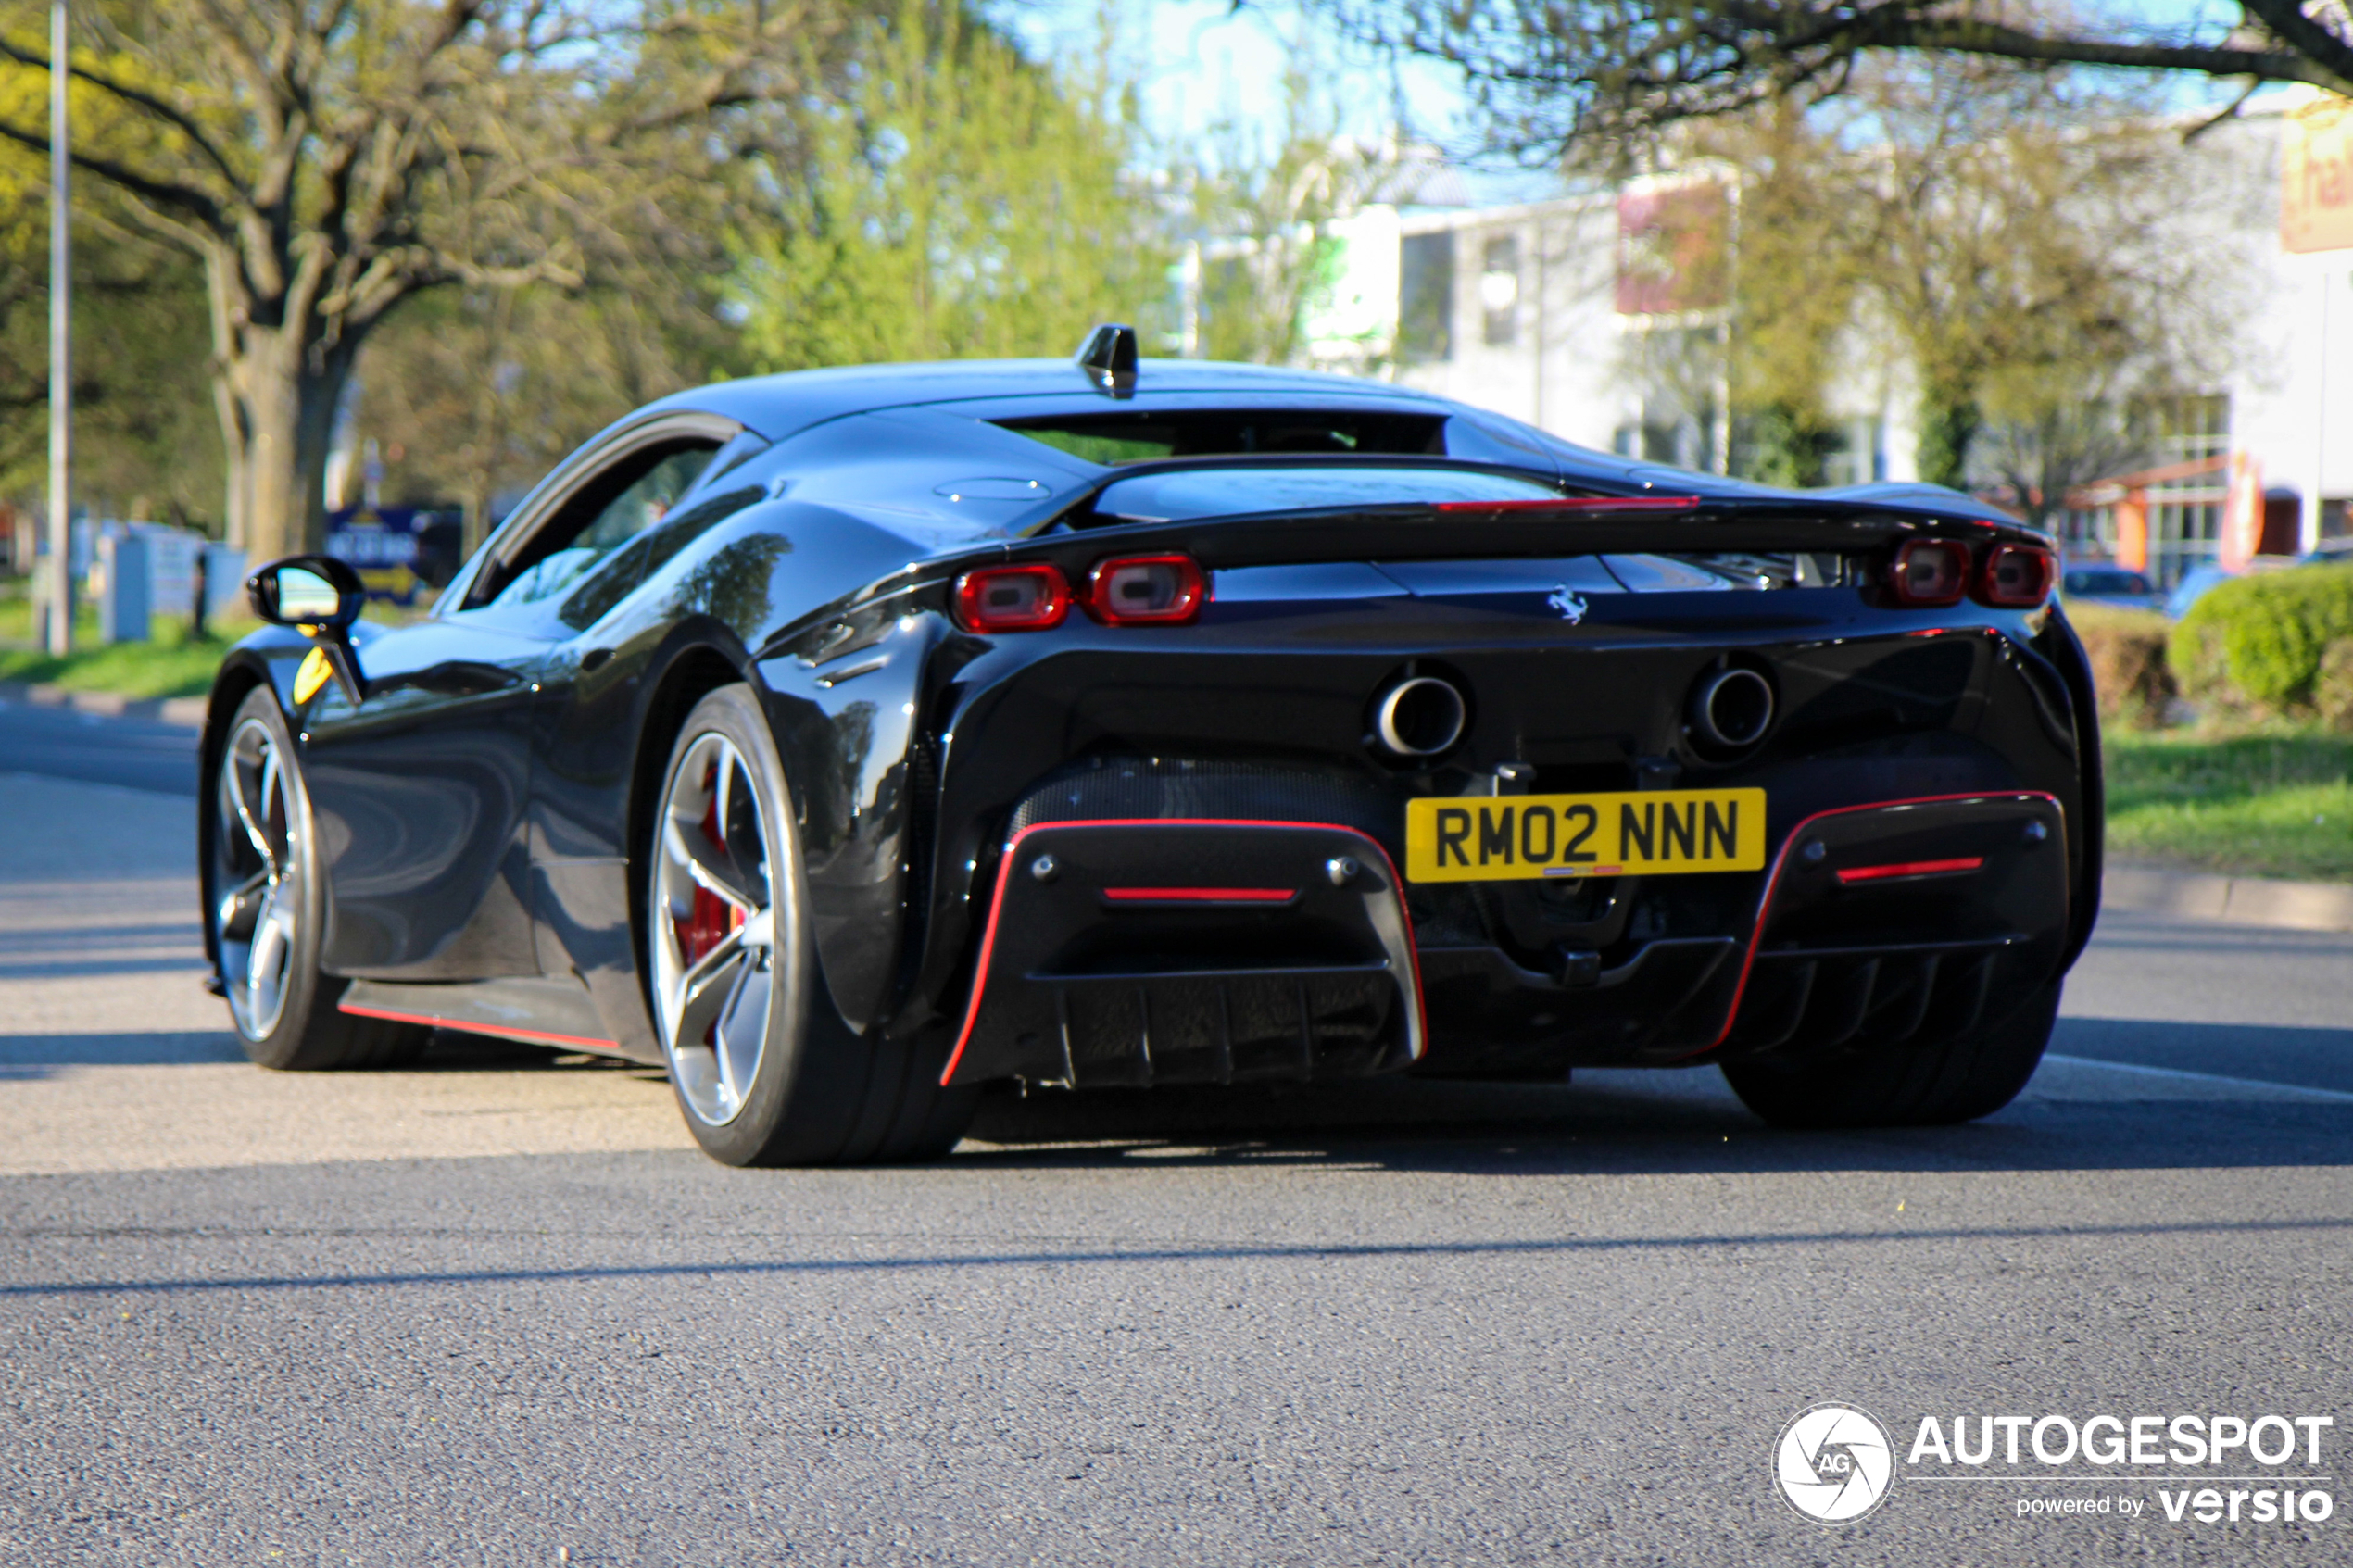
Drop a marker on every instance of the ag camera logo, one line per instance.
(1834, 1464)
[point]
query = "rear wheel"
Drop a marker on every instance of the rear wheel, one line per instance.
(264, 886)
(765, 1070)
(1972, 1075)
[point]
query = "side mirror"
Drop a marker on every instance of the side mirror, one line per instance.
(319, 596)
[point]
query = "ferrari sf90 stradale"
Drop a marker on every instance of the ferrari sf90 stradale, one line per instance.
(846, 741)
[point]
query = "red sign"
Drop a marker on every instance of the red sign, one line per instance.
(1674, 248)
(2242, 513)
(2316, 176)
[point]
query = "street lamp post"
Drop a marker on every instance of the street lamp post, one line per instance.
(60, 595)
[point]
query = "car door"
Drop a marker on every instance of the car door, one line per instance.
(422, 789)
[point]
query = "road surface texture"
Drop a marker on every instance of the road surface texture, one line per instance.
(498, 1308)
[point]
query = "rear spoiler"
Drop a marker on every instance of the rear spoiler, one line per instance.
(1583, 525)
(1467, 531)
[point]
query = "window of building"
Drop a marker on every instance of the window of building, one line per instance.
(2185, 510)
(1498, 290)
(1426, 298)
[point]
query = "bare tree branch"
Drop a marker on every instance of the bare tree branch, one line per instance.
(179, 120)
(163, 193)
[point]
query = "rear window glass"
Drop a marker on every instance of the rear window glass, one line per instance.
(1188, 493)
(1143, 435)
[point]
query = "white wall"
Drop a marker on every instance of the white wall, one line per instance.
(1563, 372)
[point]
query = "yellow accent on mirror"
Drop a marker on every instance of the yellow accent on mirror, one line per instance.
(314, 672)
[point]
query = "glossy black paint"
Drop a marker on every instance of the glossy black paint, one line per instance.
(487, 797)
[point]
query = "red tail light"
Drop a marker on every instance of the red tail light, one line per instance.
(1145, 591)
(1931, 572)
(1012, 599)
(2015, 576)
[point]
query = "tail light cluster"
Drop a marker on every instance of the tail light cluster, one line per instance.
(1120, 591)
(1934, 572)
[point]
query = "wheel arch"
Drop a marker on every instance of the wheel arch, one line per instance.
(2060, 645)
(240, 673)
(691, 672)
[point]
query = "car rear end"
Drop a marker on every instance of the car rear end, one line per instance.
(1499, 785)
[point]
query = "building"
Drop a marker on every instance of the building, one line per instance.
(1577, 315)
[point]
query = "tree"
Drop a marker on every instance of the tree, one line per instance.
(1603, 75)
(142, 445)
(327, 160)
(1261, 206)
(2010, 244)
(956, 200)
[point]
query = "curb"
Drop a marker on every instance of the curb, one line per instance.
(2228, 901)
(185, 710)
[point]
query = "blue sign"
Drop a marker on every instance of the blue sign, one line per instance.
(398, 550)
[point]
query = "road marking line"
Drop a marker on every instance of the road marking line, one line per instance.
(2338, 1097)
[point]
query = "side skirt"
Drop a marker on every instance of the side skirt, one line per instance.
(545, 1011)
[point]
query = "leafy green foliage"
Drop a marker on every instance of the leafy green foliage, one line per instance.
(2258, 642)
(2130, 675)
(955, 201)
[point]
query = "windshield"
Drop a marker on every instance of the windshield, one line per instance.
(1189, 493)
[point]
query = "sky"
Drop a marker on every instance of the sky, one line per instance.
(1204, 62)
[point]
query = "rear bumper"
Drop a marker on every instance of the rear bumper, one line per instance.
(1142, 949)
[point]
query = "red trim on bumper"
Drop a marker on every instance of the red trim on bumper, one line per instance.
(1201, 895)
(1909, 867)
(1004, 862)
(1789, 841)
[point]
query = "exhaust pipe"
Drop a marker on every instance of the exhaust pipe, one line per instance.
(1420, 716)
(1731, 709)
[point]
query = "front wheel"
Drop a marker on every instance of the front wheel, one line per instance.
(264, 889)
(1972, 1075)
(765, 1070)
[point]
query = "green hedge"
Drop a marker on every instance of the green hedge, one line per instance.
(2259, 642)
(2129, 673)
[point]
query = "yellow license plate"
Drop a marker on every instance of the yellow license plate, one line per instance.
(1645, 833)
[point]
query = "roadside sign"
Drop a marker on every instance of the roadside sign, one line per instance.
(396, 549)
(2316, 176)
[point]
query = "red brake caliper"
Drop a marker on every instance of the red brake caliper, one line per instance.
(713, 917)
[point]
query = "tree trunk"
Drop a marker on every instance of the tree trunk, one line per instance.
(276, 386)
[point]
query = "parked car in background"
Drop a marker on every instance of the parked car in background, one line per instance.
(2335, 551)
(2116, 585)
(2192, 588)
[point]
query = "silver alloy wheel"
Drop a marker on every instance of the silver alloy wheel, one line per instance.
(714, 929)
(260, 850)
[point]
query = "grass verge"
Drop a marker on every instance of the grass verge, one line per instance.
(172, 665)
(2271, 802)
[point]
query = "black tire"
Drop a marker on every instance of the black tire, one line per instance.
(820, 1094)
(1972, 1075)
(262, 874)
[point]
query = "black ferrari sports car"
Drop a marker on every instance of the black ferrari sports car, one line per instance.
(848, 741)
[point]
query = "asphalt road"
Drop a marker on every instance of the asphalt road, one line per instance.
(65, 743)
(498, 1308)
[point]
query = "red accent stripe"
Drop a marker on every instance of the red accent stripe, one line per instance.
(1910, 868)
(997, 906)
(501, 1031)
(1576, 504)
(1201, 895)
(1773, 881)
